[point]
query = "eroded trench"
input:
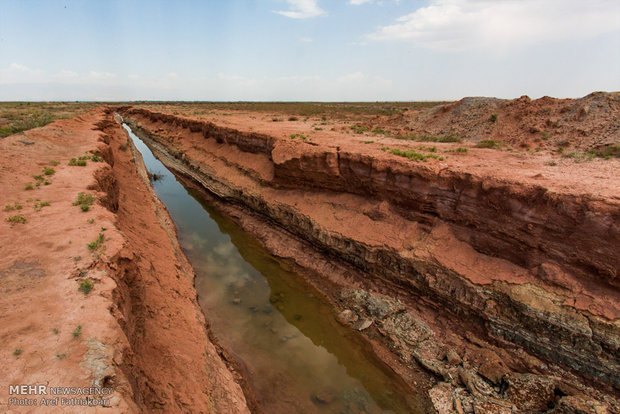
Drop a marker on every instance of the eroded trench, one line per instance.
(281, 333)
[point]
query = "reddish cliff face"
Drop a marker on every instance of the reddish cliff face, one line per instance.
(526, 263)
(100, 296)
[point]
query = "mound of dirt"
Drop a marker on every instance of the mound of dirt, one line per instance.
(588, 123)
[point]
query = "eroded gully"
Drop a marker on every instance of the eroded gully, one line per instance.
(295, 356)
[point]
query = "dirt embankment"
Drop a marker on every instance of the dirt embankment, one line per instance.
(505, 288)
(588, 123)
(135, 324)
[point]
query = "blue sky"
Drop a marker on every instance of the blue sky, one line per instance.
(307, 49)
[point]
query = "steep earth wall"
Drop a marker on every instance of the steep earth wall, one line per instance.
(518, 264)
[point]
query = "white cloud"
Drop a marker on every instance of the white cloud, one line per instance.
(502, 24)
(358, 2)
(302, 9)
(306, 39)
(352, 77)
(101, 75)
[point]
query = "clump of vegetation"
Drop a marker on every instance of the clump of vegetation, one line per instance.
(33, 120)
(486, 143)
(318, 128)
(39, 205)
(359, 128)
(462, 150)
(21, 116)
(84, 200)
(493, 118)
(578, 156)
(61, 356)
(551, 163)
(56, 331)
(607, 152)
(17, 352)
(86, 285)
(48, 171)
(367, 142)
(96, 158)
(430, 138)
(97, 244)
(77, 162)
(302, 136)
(54, 163)
(413, 155)
(17, 219)
(77, 332)
(29, 186)
(293, 118)
(378, 131)
(15, 206)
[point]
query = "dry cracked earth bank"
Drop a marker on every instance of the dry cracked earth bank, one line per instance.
(475, 244)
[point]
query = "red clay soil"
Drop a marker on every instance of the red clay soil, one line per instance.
(506, 261)
(140, 329)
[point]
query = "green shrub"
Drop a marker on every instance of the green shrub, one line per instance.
(81, 162)
(28, 186)
(412, 155)
(16, 219)
(302, 136)
(77, 332)
(430, 138)
(38, 206)
(84, 200)
(15, 206)
(95, 245)
(86, 285)
(487, 143)
(462, 150)
(48, 171)
(493, 118)
(359, 128)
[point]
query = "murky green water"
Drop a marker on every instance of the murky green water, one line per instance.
(297, 357)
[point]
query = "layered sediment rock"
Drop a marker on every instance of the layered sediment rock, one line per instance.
(517, 264)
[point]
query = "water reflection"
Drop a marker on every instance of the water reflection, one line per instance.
(297, 357)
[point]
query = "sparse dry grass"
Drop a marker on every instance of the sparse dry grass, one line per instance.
(21, 116)
(334, 110)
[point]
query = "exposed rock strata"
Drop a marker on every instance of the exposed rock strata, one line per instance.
(519, 264)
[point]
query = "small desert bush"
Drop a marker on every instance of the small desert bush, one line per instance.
(413, 155)
(84, 200)
(430, 138)
(86, 285)
(487, 143)
(17, 219)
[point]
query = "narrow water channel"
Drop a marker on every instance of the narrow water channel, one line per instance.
(297, 357)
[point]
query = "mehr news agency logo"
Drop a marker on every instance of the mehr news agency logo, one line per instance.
(42, 395)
